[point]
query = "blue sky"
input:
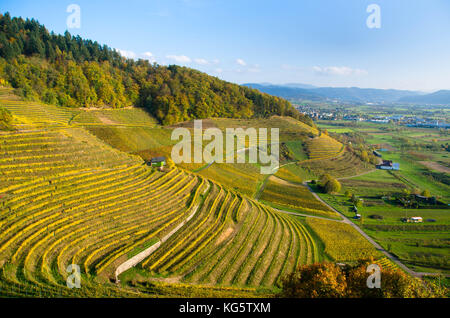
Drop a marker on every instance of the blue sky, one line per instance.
(319, 42)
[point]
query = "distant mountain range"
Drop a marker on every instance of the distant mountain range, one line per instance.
(439, 97)
(351, 94)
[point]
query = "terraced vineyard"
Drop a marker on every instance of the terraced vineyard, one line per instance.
(239, 238)
(89, 215)
(82, 202)
(66, 197)
(33, 113)
(243, 177)
(343, 242)
(343, 165)
(323, 147)
(294, 196)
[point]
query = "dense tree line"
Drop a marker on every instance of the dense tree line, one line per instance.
(5, 119)
(70, 71)
(328, 280)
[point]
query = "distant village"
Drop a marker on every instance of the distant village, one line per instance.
(410, 121)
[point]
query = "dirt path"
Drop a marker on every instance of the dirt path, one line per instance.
(435, 166)
(105, 120)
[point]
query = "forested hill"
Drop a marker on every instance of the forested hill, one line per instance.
(70, 71)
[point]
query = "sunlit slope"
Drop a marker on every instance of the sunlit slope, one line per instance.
(323, 147)
(103, 211)
(33, 114)
(235, 242)
(294, 197)
(67, 197)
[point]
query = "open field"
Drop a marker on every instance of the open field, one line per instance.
(422, 247)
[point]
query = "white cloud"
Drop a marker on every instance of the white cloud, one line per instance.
(216, 61)
(338, 70)
(149, 56)
(201, 61)
(241, 62)
(218, 70)
(127, 54)
(179, 58)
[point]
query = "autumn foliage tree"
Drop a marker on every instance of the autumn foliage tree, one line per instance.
(324, 280)
(328, 280)
(330, 184)
(70, 71)
(5, 119)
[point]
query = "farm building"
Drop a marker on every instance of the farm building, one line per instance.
(388, 165)
(413, 219)
(416, 219)
(158, 162)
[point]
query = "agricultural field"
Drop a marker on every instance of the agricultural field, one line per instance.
(323, 147)
(294, 197)
(33, 114)
(289, 175)
(423, 247)
(343, 243)
(239, 242)
(343, 165)
(123, 117)
(242, 177)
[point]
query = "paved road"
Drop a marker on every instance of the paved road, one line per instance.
(308, 215)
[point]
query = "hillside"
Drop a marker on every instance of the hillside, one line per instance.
(70, 71)
(84, 202)
(440, 98)
(342, 94)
